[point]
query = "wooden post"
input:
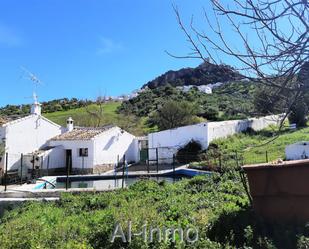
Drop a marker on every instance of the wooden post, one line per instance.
(220, 162)
(21, 168)
(6, 171)
(266, 156)
(47, 167)
(157, 156)
(123, 169)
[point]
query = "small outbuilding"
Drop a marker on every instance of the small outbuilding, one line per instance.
(91, 150)
(297, 151)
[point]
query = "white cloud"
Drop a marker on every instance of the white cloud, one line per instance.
(8, 36)
(109, 46)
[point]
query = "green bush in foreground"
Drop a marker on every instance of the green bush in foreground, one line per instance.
(216, 205)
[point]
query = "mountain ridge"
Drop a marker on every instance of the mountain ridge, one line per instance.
(205, 73)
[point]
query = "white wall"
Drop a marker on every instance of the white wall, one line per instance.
(297, 151)
(2, 145)
(27, 135)
(169, 141)
(58, 155)
(224, 129)
(112, 143)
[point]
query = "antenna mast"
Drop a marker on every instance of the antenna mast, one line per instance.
(35, 80)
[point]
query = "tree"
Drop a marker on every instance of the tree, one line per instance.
(174, 114)
(96, 111)
(298, 113)
(275, 54)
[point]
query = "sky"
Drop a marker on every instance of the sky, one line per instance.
(87, 48)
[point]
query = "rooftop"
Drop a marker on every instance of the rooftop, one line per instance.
(6, 119)
(82, 133)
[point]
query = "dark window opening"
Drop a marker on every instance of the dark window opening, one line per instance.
(83, 152)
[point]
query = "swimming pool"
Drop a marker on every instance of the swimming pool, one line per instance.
(110, 183)
(114, 181)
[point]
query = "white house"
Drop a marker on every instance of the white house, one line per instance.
(168, 142)
(91, 150)
(297, 151)
(24, 135)
(35, 142)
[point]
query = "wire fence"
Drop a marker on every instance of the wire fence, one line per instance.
(206, 160)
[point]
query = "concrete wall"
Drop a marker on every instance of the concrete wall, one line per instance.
(224, 129)
(27, 135)
(168, 142)
(297, 151)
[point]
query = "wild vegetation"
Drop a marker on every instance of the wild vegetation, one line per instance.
(230, 101)
(109, 115)
(248, 147)
(47, 106)
(216, 206)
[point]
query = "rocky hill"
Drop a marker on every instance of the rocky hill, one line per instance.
(204, 74)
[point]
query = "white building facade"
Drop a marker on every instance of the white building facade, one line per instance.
(25, 135)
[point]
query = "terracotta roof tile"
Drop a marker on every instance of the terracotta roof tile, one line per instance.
(82, 133)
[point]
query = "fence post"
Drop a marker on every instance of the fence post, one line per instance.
(32, 174)
(6, 171)
(68, 172)
(116, 169)
(220, 162)
(42, 164)
(174, 161)
(21, 168)
(266, 154)
(236, 154)
(47, 166)
(123, 169)
(157, 156)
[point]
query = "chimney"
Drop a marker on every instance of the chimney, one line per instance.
(70, 124)
(36, 106)
(36, 109)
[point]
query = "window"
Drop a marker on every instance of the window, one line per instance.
(83, 152)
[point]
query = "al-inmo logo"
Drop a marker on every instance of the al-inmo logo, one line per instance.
(152, 234)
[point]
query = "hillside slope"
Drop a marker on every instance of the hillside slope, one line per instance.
(229, 101)
(81, 116)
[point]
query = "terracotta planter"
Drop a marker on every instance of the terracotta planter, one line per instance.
(280, 192)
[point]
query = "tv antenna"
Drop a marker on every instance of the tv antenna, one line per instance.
(35, 80)
(31, 76)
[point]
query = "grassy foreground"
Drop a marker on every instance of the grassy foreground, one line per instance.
(214, 205)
